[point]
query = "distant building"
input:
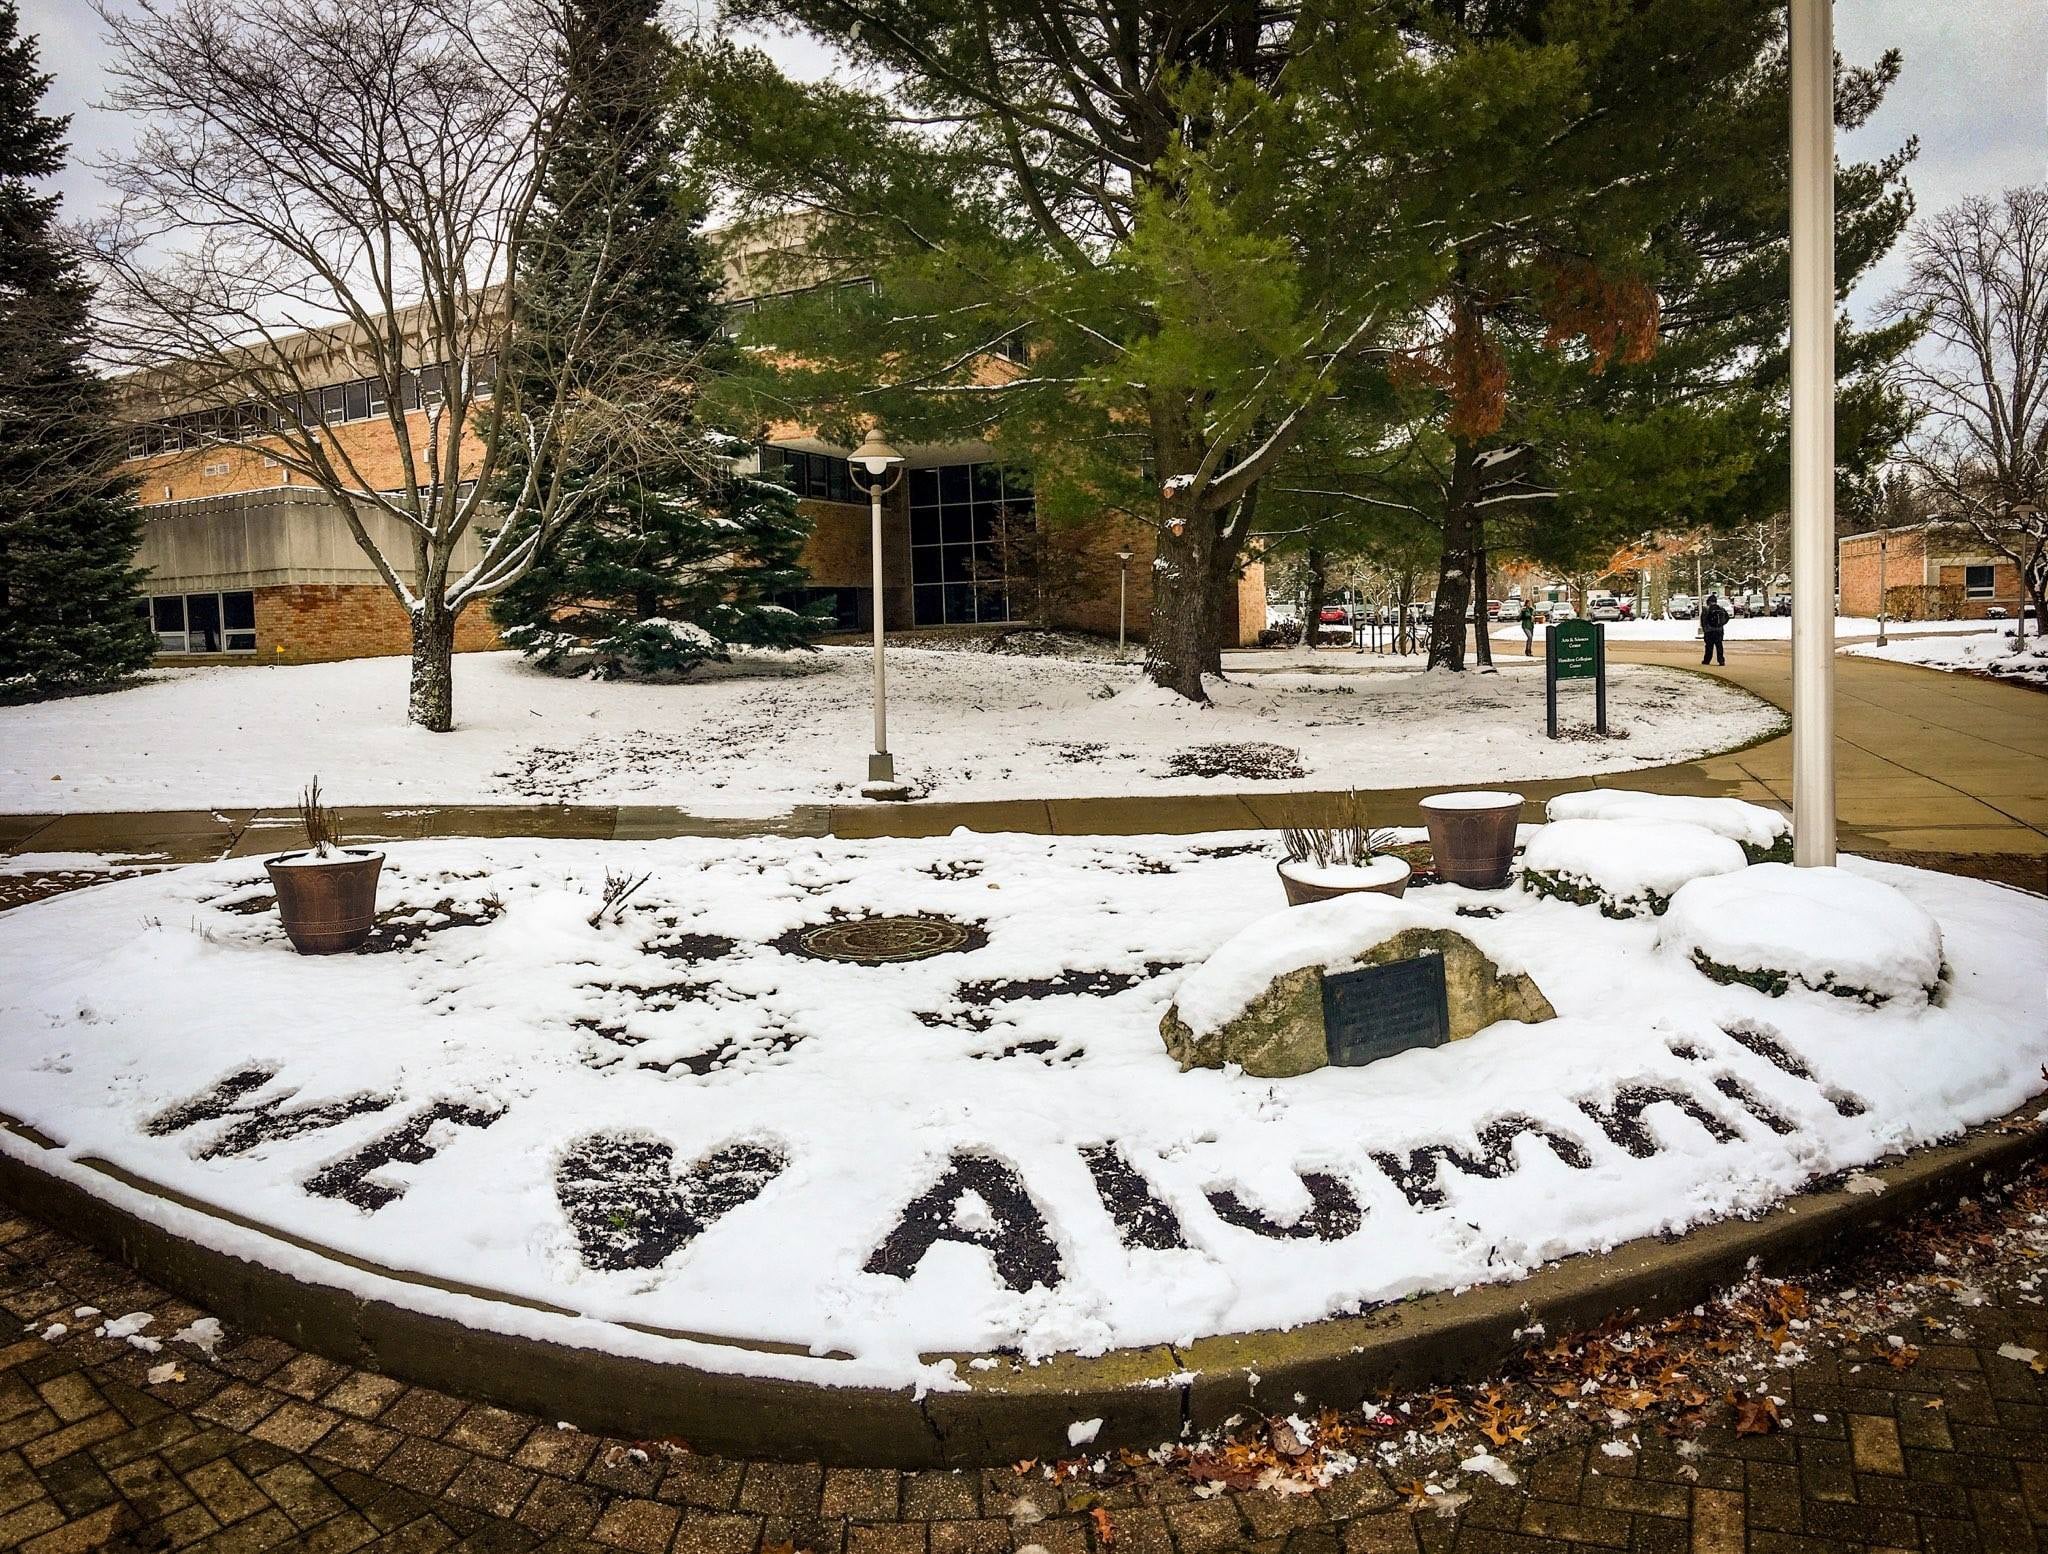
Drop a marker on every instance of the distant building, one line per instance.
(1930, 572)
(247, 561)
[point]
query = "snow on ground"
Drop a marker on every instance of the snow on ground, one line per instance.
(1981, 654)
(1762, 628)
(675, 1121)
(779, 729)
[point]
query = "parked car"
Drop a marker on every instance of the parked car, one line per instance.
(1682, 607)
(1333, 615)
(1781, 604)
(1493, 609)
(1602, 607)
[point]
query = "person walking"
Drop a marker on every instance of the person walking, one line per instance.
(1713, 629)
(1528, 619)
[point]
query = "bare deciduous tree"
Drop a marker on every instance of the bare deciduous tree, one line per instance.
(1979, 383)
(348, 189)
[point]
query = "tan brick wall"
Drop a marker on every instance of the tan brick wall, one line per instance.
(1856, 568)
(178, 477)
(313, 623)
(2005, 586)
(1919, 585)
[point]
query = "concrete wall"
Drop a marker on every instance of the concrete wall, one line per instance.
(264, 538)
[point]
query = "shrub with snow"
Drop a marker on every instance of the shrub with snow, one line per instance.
(1765, 835)
(1773, 927)
(1627, 868)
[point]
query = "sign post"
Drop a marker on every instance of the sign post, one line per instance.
(1575, 650)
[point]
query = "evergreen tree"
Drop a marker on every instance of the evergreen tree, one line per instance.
(683, 557)
(68, 522)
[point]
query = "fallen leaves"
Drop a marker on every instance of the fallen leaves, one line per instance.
(1754, 1415)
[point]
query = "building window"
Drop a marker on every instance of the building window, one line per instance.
(204, 623)
(846, 609)
(970, 526)
(359, 399)
(815, 477)
(1978, 583)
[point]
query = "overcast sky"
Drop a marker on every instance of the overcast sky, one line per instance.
(1975, 92)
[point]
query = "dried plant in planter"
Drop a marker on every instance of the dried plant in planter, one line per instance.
(327, 894)
(1352, 843)
(323, 829)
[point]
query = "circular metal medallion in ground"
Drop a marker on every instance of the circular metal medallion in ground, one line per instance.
(876, 941)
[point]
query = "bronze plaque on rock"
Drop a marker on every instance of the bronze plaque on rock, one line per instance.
(1377, 1011)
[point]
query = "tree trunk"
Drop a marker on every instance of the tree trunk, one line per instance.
(1183, 606)
(431, 703)
(1318, 584)
(1482, 627)
(1454, 568)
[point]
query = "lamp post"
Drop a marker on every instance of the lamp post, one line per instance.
(2023, 515)
(876, 467)
(1813, 432)
(1884, 541)
(1123, 581)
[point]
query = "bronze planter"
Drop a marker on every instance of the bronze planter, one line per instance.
(327, 906)
(1304, 892)
(1472, 836)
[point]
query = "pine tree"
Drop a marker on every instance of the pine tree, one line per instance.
(685, 558)
(68, 521)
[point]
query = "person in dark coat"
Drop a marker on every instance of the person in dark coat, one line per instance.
(1713, 629)
(1528, 619)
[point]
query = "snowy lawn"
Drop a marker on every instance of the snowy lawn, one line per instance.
(1988, 655)
(676, 1129)
(775, 730)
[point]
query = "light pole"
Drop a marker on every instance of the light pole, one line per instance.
(1813, 433)
(876, 468)
(1123, 583)
(2024, 515)
(1884, 541)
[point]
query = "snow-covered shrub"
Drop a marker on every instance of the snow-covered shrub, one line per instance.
(1765, 835)
(1773, 927)
(637, 650)
(1627, 868)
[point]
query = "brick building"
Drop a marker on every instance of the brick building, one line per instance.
(1929, 572)
(245, 562)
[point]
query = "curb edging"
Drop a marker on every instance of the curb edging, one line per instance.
(1142, 1396)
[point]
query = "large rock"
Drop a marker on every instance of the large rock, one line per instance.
(1258, 1001)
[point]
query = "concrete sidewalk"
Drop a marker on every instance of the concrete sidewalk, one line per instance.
(1927, 762)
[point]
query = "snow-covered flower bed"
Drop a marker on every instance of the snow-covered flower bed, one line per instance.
(770, 730)
(1627, 868)
(675, 1135)
(1829, 930)
(1764, 835)
(1989, 653)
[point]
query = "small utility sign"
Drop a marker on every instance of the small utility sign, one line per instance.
(1575, 650)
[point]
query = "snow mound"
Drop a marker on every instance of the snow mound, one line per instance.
(1327, 934)
(1834, 932)
(1758, 829)
(1628, 868)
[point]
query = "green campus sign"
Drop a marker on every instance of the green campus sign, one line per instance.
(1575, 650)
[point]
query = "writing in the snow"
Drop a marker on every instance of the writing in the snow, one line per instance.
(633, 1205)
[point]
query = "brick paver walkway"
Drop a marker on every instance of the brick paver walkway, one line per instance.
(1918, 1434)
